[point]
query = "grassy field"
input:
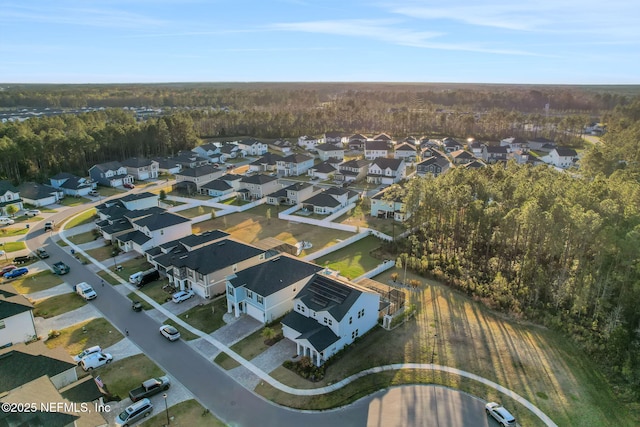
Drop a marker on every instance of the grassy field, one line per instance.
(360, 216)
(36, 282)
(102, 253)
(132, 266)
(122, 375)
(195, 211)
(353, 260)
(57, 305)
(13, 246)
(206, 317)
(185, 414)
(154, 291)
(253, 225)
(83, 218)
(452, 330)
(86, 237)
(109, 191)
(8, 232)
(76, 338)
(73, 201)
(248, 348)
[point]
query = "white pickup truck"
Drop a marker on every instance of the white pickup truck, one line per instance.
(85, 291)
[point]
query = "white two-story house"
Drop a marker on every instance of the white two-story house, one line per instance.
(389, 203)
(257, 186)
(329, 314)
(153, 230)
(375, 149)
(110, 174)
(561, 157)
(141, 169)
(386, 171)
(9, 195)
(330, 151)
(291, 195)
(266, 291)
(310, 142)
(294, 165)
(16, 317)
(253, 147)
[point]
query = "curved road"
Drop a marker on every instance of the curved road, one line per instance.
(214, 389)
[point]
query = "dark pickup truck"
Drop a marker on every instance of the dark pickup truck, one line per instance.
(60, 268)
(149, 388)
(22, 259)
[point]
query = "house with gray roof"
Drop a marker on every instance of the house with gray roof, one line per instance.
(328, 314)
(9, 195)
(462, 157)
(141, 168)
(328, 151)
(330, 200)
(71, 185)
(434, 165)
(266, 291)
(561, 157)
(253, 147)
(267, 163)
(16, 317)
(386, 171)
(389, 203)
(208, 150)
(153, 230)
(405, 151)
(198, 176)
(291, 195)
(183, 245)
(335, 137)
(352, 170)
(375, 149)
(39, 195)
(258, 186)
(294, 165)
(323, 170)
(110, 174)
(493, 154)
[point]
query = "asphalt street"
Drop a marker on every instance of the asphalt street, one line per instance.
(402, 406)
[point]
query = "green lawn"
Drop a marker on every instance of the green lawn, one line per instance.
(76, 338)
(108, 278)
(36, 282)
(132, 266)
(196, 211)
(108, 191)
(57, 305)
(154, 291)
(102, 253)
(13, 246)
(83, 218)
(206, 317)
(185, 414)
(121, 376)
(8, 232)
(134, 297)
(234, 201)
(73, 201)
(248, 348)
(353, 260)
(86, 237)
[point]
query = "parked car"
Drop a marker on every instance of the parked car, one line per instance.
(42, 254)
(5, 220)
(32, 212)
(134, 412)
(60, 268)
(182, 296)
(127, 185)
(17, 272)
(149, 388)
(7, 268)
(169, 332)
(500, 414)
(48, 226)
(85, 291)
(22, 259)
(94, 193)
(95, 360)
(78, 357)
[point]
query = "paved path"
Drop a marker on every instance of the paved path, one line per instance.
(63, 288)
(123, 348)
(70, 318)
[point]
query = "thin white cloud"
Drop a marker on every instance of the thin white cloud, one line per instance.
(390, 31)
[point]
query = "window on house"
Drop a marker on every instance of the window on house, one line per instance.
(259, 299)
(200, 276)
(190, 273)
(235, 268)
(249, 294)
(351, 320)
(162, 232)
(230, 290)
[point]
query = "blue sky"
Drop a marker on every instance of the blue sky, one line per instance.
(538, 41)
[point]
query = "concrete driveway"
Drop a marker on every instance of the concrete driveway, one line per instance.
(70, 318)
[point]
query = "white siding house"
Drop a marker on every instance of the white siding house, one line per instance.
(16, 317)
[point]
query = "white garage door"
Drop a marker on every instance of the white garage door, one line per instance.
(254, 312)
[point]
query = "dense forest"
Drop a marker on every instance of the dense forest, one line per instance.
(562, 249)
(42, 146)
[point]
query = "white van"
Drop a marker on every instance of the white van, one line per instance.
(95, 360)
(85, 291)
(135, 412)
(5, 220)
(135, 277)
(78, 357)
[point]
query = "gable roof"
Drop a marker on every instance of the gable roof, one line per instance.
(296, 158)
(493, 149)
(108, 166)
(268, 159)
(324, 167)
(298, 186)
(324, 293)
(376, 145)
(250, 142)
(382, 137)
(218, 185)
(355, 163)
(13, 305)
(380, 194)
(322, 199)
(163, 220)
(437, 160)
(476, 164)
(318, 335)
(199, 171)
(273, 275)
(384, 163)
(138, 196)
(137, 162)
(358, 137)
(208, 146)
(7, 186)
(462, 154)
(566, 152)
(211, 258)
(193, 240)
(23, 364)
(34, 191)
(258, 179)
(405, 146)
(328, 147)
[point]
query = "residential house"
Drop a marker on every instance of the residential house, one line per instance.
(153, 230)
(386, 171)
(253, 147)
(561, 157)
(352, 170)
(205, 269)
(450, 145)
(141, 169)
(209, 151)
(343, 195)
(231, 151)
(217, 187)
(198, 176)
(280, 145)
(324, 170)
(411, 140)
(493, 154)
(389, 203)
(356, 141)
(291, 195)
(405, 151)
(258, 186)
(266, 291)
(476, 164)
(515, 144)
(541, 144)
(383, 137)
(337, 138)
(435, 166)
(71, 185)
(110, 174)
(475, 147)
(16, 317)
(138, 201)
(39, 195)
(462, 157)
(189, 159)
(375, 149)
(294, 165)
(329, 314)
(267, 163)
(9, 195)
(168, 165)
(311, 142)
(21, 364)
(330, 200)
(329, 151)
(177, 248)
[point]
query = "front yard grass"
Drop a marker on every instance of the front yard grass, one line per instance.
(83, 218)
(253, 225)
(134, 297)
(73, 201)
(450, 329)
(354, 260)
(56, 305)
(13, 246)
(154, 291)
(76, 338)
(248, 348)
(206, 317)
(36, 282)
(122, 375)
(102, 253)
(108, 278)
(196, 211)
(8, 232)
(132, 266)
(185, 414)
(86, 237)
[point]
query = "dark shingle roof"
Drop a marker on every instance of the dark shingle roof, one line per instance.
(319, 336)
(324, 293)
(324, 167)
(566, 152)
(33, 191)
(384, 163)
(258, 179)
(7, 186)
(296, 158)
(85, 391)
(217, 184)
(137, 162)
(134, 236)
(328, 147)
(156, 222)
(376, 145)
(37, 418)
(494, 149)
(274, 275)
(18, 368)
(13, 305)
(405, 146)
(138, 196)
(108, 166)
(267, 159)
(322, 199)
(356, 164)
(199, 171)
(194, 240)
(462, 154)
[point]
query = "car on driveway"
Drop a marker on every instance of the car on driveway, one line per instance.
(32, 212)
(4, 220)
(95, 360)
(84, 353)
(169, 332)
(17, 272)
(127, 185)
(182, 296)
(501, 415)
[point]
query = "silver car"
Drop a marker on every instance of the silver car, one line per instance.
(500, 414)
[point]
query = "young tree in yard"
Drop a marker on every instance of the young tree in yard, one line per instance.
(268, 333)
(162, 196)
(11, 210)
